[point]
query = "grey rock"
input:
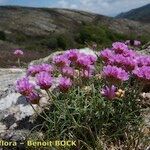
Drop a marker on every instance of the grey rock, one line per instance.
(47, 59)
(13, 107)
(145, 50)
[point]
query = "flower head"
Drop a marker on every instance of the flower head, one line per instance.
(72, 54)
(33, 70)
(24, 87)
(33, 97)
(119, 47)
(68, 71)
(64, 84)
(44, 80)
(84, 61)
(46, 68)
(115, 74)
(92, 59)
(129, 53)
(18, 53)
(127, 63)
(142, 73)
(109, 92)
(61, 61)
(143, 60)
(106, 55)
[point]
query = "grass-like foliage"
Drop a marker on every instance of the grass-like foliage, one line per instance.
(94, 100)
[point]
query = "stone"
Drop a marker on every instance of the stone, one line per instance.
(47, 59)
(14, 109)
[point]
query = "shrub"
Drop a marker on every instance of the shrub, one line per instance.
(50, 42)
(20, 38)
(62, 42)
(99, 34)
(96, 104)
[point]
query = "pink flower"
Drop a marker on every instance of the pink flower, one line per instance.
(119, 47)
(64, 84)
(18, 53)
(115, 74)
(106, 55)
(24, 87)
(46, 68)
(92, 58)
(61, 61)
(68, 71)
(72, 54)
(33, 70)
(127, 63)
(33, 97)
(109, 92)
(44, 80)
(143, 60)
(129, 53)
(142, 73)
(84, 61)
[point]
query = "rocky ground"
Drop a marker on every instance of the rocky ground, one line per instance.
(13, 107)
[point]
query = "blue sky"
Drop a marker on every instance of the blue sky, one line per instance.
(105, 7)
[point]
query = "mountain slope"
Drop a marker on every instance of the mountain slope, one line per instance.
(141, 14)
(39, 29)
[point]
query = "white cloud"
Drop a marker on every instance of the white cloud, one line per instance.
(106, 7)
(66, 4)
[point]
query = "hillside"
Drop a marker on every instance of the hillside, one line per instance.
(40, 31)
(141, 14)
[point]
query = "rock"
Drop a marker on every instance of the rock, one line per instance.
(15, 112)
(145, 49)
(145, 99)
(88, 51)
(47, 59)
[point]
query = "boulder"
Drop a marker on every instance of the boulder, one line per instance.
(14, 109)
(47, 59)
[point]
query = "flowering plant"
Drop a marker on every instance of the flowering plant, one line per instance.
(18, 53)
(90, 101)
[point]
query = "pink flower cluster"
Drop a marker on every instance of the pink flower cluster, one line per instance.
(120, 63)
(66, 65)
(73, 60)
